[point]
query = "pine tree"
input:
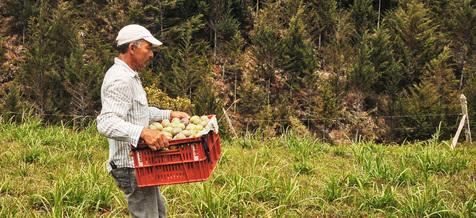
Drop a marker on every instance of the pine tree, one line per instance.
(185, 70)
(437, 7)
(415, 39)
(387, 68)
(11, 105)
(337, 57)
(280, 65)
(52, 40)
(264, 79)
(298, 54)
(431, 103)
(267, 54)
(82, 81)
(321, 20)
(440, 73)
(363, 74)
(417, 101)
(363, 16)
(461, 34)
(221, 24)
(20, 12)
(179, 17)
(265, 50)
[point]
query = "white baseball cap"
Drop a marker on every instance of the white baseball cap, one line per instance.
(135, 32)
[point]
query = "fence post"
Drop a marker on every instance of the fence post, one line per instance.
(464, 109)
(460, 127)
(230, 124)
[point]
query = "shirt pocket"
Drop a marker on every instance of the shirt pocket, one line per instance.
(140, 109)
(141, 100)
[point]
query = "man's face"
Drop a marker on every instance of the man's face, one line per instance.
(142, 54)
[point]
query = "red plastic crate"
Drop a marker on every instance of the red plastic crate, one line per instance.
(193, 161)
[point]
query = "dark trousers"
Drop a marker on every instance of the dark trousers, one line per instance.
(144, 202)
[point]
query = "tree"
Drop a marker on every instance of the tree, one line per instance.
(415, 39)
(20, 12)
(262, 79)
(337, 58)
(363, 16)
(363, 74)
(437, 7)
(280, 65)
(221, 23)
(298, 55)
(385, 64)
(461, 31)
(432, 102)
(82, 81)
(52, 39)
(11, 104)
(321, 19)
(185, 70)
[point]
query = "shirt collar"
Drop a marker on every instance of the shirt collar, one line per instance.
(131, 72)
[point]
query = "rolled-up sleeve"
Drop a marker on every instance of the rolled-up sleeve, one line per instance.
(116, 102)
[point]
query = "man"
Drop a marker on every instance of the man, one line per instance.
(125, 116)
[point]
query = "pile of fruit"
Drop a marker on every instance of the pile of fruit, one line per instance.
(181, 129)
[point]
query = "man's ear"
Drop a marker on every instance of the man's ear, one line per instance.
(132, 47)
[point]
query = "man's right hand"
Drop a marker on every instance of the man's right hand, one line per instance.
(154, 139)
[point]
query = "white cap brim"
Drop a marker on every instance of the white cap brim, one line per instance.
(153, 41)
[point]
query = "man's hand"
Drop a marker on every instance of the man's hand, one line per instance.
(181, 115)
(154, 139)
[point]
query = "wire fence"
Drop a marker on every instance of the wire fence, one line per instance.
(73, 116)
(375, 116)
(86, 120)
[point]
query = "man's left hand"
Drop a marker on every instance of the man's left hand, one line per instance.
(181, 115)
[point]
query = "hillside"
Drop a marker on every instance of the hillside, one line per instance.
(54, 171)
(387, 71)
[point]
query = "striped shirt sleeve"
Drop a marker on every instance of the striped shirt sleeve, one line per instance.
(111, 122)
(158, 115)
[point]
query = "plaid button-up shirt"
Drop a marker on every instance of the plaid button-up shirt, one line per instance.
(125, 112)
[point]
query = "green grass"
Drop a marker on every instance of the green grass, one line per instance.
(55, 171)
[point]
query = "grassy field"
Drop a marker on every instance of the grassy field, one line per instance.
(58, 172)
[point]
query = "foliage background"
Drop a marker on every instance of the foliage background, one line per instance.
(380, 70)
